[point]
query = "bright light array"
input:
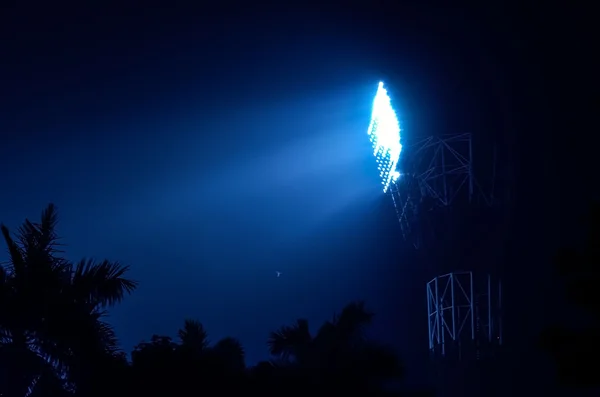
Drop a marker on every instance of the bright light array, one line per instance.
(384, 132)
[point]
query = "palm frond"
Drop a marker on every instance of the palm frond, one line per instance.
(352, 321)
(51, 308)
(16, 264)
(47, 227)
(101, 284)
(193, 335)
(25, 366)
(43, 234)
(230, 351)
(34, 248)
(48, 384)
(106, 336)
(3, 276)
(28, 235)
(289, 340)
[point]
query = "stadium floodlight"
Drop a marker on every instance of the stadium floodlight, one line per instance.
(384, 132)
(435, 173)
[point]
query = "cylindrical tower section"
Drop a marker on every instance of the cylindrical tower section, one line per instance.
(465, 333)
(464, 315)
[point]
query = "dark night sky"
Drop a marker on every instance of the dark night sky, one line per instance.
(208, 151)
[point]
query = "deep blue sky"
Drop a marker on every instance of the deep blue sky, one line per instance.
(208, 151)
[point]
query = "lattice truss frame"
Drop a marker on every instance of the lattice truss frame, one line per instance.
(436, 171)
(458, 311)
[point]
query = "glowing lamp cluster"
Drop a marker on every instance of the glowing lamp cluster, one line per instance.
(384, 132)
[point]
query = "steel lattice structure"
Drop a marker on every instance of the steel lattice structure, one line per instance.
(464, 315)
(443, 209)
(435, 173)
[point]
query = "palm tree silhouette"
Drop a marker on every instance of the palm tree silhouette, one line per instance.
(229, 354)
(193, 336)
(51, 310)
(339, 351)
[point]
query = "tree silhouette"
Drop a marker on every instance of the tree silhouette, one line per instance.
(574, 348)
(339, 355)
(51, 312)
(193, 336)
(164, 366)
(229, 355)
(54, 339)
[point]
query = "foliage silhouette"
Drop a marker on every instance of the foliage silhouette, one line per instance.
(51, 312)
(352, 363)
(339, 355)
(164, 366)
(54, 340)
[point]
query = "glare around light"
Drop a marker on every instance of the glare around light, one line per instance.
(384, 132)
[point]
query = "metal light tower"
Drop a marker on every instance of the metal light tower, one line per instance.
(441, 206)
